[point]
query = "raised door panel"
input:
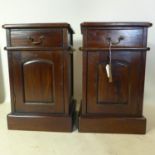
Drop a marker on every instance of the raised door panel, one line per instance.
(117, 91)
(119, 97)
(38, 81)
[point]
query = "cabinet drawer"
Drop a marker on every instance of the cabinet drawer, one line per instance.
(99, 38)
(37, 37)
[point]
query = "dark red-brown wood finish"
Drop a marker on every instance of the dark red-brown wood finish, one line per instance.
(113, 106)
(40, 68)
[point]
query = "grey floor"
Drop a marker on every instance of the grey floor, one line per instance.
(53, 143)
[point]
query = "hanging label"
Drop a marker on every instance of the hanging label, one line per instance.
(107, 70)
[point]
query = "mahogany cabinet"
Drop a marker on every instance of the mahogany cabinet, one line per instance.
(114, 57)
(41, 76)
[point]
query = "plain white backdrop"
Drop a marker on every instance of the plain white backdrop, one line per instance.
(75, 12)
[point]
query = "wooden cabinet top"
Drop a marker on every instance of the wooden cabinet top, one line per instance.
(38, 25)
(113, 24)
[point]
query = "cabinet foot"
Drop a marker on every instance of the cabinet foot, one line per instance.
(131, 125)
(53, 122)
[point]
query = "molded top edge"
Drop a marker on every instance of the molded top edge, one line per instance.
(38, 25)
(113, 24)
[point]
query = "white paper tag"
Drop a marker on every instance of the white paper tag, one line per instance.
(107, 70)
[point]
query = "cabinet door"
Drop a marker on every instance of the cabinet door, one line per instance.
(121, 97)
(38, 81)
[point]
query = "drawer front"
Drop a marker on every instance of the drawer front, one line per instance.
(99, 38)
(37, 37)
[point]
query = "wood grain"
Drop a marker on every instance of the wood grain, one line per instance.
(116, 106)
(41, 73)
